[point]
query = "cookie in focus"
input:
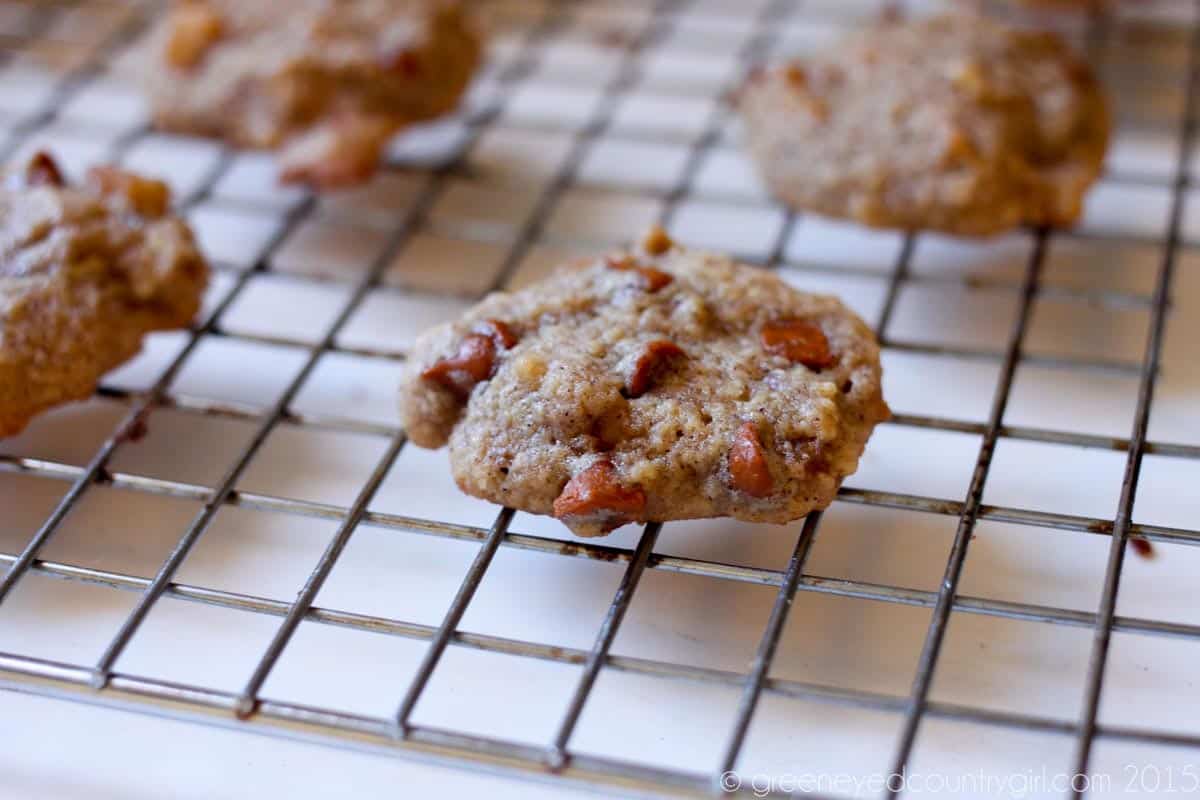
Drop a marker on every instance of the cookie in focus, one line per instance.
(654, 384)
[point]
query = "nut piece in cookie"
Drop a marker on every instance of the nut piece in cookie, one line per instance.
(328, 83)
(85, 272)
(601, 397)
(953, 123)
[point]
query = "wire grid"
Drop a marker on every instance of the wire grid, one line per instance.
(248, 709)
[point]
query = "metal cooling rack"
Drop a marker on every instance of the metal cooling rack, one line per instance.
(525, 26)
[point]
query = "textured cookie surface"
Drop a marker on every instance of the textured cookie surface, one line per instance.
(649, 387)
(330, 81)
(953, 123)
(85, 273)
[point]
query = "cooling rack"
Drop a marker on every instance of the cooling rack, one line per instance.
(959, 609)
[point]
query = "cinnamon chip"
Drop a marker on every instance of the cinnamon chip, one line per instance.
(475, 360)
(652, 279)
(655, 358)
(501, 334)
(799, 341)
(43, 171)
(656, 241)
(195, 27)
(473, 363)
(404, 61)
(144, 196)
(597, 493)
(748, 468)
(649, 278)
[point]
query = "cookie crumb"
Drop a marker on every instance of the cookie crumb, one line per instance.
(1142, 546)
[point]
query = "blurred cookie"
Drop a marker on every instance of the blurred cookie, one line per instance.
(329, 82)
(954, 123)
(657, 384)
(85, 273)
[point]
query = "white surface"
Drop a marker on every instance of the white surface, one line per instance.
(102, 755)
(961, 295)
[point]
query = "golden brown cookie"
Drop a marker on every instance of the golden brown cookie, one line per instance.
(328, 82)
(85, 273)
(656, 384)
(954, 123)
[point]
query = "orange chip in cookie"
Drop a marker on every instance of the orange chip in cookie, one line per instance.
(748, 468)
(799, 341)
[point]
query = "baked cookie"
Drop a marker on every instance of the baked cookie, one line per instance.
(656, 384)
(329, 82)
(953, 123)
(85, 273)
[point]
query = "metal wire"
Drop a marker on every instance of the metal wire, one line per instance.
(968, 517)
(1106, 617)
(556, 761)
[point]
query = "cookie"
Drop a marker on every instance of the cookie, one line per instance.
(85, 273)
(651, 385)
(953, 123)
(330, 83)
